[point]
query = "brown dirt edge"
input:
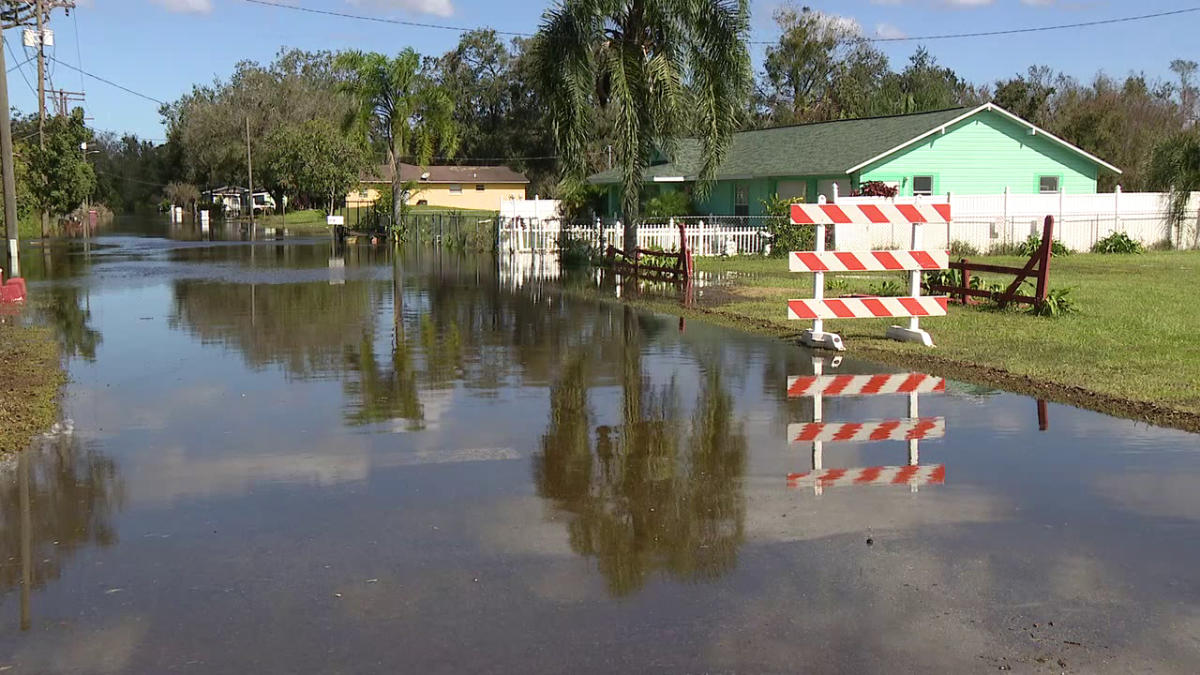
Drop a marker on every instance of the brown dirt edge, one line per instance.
(1080, 397)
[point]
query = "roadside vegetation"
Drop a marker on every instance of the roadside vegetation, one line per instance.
(1129, 339)
(30, 378)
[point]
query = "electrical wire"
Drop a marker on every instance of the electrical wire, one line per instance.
(20, 64)
(22, 70)
(109, 82)
(79, 52)
(906, 38)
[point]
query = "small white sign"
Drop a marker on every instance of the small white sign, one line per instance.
(335, 220)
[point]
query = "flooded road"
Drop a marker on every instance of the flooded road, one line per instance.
(284, 458)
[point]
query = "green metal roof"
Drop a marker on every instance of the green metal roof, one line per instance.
(822, 148)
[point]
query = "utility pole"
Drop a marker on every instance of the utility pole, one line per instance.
(250, 175)
(12, 15)
(13, 265)
(41, 78)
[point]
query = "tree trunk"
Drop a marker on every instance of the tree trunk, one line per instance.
(631, 228)
(397, 192)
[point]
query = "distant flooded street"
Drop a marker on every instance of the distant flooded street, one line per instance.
(284, 457)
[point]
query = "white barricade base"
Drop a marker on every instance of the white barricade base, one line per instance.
(901, 334)
(820, 339)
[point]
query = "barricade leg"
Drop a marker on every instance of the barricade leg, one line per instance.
(913, 332)
(816, 336)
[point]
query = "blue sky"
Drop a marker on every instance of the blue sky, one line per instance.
(162, 47)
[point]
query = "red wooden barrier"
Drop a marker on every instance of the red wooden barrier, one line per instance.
(1039, 265)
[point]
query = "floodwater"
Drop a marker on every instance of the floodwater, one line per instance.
(283, 458)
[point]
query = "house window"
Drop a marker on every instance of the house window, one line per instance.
(923, 185)
(422, 202)
(1047, 184)
(741, 200)
(363, 194)
(456, 189)
(480, 187)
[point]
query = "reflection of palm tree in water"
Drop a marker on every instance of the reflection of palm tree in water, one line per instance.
(71, 494)
(391, 394)
(651, 498)
(70, 322)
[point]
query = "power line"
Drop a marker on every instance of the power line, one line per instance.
(78, 50)
(914, 38)
(1038, 29)
(109, 82)
(379, 19)
(20, 64)
(21, 70)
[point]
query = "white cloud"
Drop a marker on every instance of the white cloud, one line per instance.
(186, 6)
(434, 7)
(834, 24)
(889, 32)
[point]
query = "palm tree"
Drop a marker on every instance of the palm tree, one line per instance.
(1175, 166)
(659, 68)
(398, 105)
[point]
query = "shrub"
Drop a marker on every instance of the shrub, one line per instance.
(962, 249)
(1118, 242)
(574, 252)
(888, 288)
(1058, 303)
(947, 278)
(1030, 246)
(668, 205)
(874, 188)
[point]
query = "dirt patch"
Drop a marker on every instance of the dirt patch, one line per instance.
(31, 376)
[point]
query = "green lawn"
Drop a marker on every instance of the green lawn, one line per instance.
(1134, 342)
(30, 378)
(313, 220)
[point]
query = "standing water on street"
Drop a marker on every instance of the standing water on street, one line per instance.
(285, 456)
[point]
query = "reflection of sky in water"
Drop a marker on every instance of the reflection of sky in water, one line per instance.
(298, 491)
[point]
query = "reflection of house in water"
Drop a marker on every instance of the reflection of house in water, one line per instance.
(911, 429)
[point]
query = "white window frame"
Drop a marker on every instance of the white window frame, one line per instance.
(456, 188)
(1057, 185)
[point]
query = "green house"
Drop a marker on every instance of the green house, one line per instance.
(982, 150)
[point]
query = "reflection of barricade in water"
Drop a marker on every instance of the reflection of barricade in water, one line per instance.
(913, 428)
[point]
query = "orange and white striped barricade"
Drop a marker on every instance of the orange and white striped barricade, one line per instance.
(913, 428)
(819, 261)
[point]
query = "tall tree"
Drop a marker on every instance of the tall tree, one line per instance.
(815, 53)
(314, 161)
(1175, 167)
(1186, 70)
(498, 110)
(401, 108)
(62, 176)
(662, 68)
(206, 129)
(1028, 95)
(1121, 121)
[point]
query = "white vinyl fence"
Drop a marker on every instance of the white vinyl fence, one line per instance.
(707, 236)
(994, 221)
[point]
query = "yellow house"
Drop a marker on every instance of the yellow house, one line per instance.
(454, 187)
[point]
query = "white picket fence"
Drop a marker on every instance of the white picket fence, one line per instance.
(707, 236)
(992, 221)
